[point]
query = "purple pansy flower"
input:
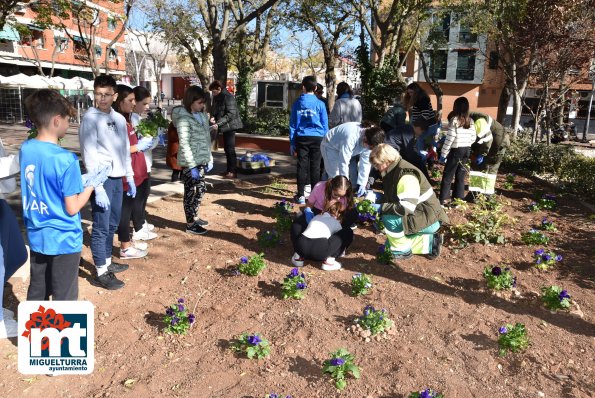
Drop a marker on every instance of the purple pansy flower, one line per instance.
(547, 257)
(496, 271)
(253, 339)
(503, 330)
(180, 307)
(539, 252)
(191, 318)
(169, 312)
(514, 282)
(427, 393)
(356, 276)
(559, 257)
(181, 300)
(174, 320)
(300, 285)
(244, 260)
(564, 295)
(337, 361)
(294, 272)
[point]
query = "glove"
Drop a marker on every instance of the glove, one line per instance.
(101, 197)
(97, 176)
(131, 189)
(424, 154)
(442, 160)
(379, 197)
(161, 138)
(209, 167)
(479, 160)
(195, 173)
(361, 191)
(144, 144)
(308, 214)
(292, 150)
(377, 207)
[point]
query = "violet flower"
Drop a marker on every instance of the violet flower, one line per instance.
(564, 295)
(253, 339)
(337, 361)
(503, 330)
(496, 271)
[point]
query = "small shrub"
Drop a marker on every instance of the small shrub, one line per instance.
(283, 212)
(512, 338)
(177, 319)
(376, 321)
(340, 366)
(485, 224)
(545, 203)
(509, 182)
(534, 237)
(435, 174)
(499, 279)
(384, 254)
(272, 122)
(294, 285)
(252, 345)
(554, 298)
(360, 284)
(252, 266)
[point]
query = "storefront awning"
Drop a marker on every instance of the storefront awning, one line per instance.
(35, 27)
(9, 33)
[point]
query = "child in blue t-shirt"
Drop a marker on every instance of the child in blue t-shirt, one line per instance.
(53, 194)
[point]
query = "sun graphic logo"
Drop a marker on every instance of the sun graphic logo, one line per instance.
(56, 337)
(30, 178)
(33, 203)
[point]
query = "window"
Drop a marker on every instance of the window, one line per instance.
(61, 43)
(441, 25)
(493, 64)
(466, 65)
(465, 35)
(437, 64)
(79, 48)
(113, 54)
(98, 51)
(112, 23)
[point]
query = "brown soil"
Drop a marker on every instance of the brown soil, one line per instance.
(446, 321)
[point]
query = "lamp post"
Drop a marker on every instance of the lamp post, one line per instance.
(586, 128)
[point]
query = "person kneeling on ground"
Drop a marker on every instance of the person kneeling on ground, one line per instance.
(410, 211)
(322, 232)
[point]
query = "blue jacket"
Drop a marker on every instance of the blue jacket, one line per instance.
(308, 118)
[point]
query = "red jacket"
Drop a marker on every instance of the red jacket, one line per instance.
(139, 164)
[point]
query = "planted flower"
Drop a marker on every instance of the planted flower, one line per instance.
(269, 238)
(252, 265)
(547, 202)
(376, 321)
(384, 254)
(360, 284)
(534, 237)
(177, 319)
(498, 278)
(294, 285)
(253, 345)
(512, 338)
(554, 298)
(436, 174)
(273, 395)
(366, 211)
(547, 225)
(427, 393)
(283, 212)
(509, 183)
(340, 366)
(544, 260)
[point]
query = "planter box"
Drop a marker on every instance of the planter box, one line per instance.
(259, 143)
(254, 167)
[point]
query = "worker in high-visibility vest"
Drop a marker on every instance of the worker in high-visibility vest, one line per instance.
(486, 153)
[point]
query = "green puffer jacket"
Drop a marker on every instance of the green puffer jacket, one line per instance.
(195, 140)
(407, 193)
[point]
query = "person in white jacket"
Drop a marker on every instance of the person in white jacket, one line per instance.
(346, 108)
(346, 141)
(13, 252)
(456, 150)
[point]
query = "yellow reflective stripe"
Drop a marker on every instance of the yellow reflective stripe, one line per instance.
(394, 234)
(427, 195)
(408, 187)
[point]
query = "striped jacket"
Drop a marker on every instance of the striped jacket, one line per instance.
(407, 193)
(458, 137)
(422, 109)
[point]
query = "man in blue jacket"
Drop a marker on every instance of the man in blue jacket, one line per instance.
(307, 126)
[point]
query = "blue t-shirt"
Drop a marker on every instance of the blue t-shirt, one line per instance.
(50, 173)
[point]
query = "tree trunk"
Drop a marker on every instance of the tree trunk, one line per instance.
(219, 52)
(503, 103)
(331, 81)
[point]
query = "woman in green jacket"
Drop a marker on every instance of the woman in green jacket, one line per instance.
(194, 153)
(410, 210)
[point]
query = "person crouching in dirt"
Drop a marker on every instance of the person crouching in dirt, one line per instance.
(487, 153)
(409, 210)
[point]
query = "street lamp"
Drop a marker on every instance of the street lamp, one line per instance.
(592, 77)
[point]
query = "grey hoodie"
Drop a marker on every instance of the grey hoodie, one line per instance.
(104, 139)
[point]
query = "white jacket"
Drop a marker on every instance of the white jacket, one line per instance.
(9, 168)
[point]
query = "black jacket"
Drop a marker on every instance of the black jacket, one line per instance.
(226, 113)
(402, 138)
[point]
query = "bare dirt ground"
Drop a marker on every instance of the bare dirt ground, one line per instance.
(446, 320)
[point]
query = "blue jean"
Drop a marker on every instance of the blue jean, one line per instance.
(13, 252)
(106, 221)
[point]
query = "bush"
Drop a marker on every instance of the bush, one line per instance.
(273, 122)
(486, 222)
(574, 172)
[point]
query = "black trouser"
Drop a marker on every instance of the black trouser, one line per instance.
(456, 166)
(320, 249)
(146, 197)
(55, 276)
(308, 166)
(133, 208)
(229, 145)
(194, 190)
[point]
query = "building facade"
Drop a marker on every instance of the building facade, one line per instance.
(64, 48)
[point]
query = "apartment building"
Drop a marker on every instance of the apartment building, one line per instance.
(64, 48)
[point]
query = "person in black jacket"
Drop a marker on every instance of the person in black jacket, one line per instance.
(225, 118)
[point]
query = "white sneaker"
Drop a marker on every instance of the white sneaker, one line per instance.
(143, 234)
(297, 260)
(8, 328)
(8, 314)
(330, 264)
(132, 252)
(307, 190)
(148, 227)
(140, 245)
